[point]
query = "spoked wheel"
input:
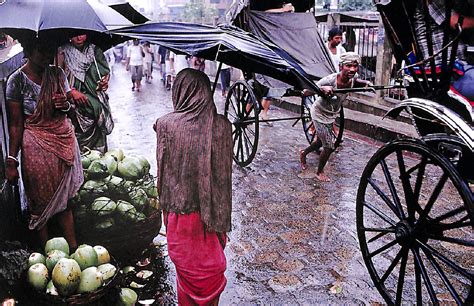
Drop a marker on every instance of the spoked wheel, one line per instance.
(241, 108)
(415, 226)
(308, 126)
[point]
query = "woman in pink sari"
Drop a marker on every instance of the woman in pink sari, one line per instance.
(194, 160)
(39, 127)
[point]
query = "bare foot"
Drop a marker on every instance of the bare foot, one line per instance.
(303, 160)
(322, 177)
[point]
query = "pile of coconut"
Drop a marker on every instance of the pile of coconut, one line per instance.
(118, 190)
(56, 272)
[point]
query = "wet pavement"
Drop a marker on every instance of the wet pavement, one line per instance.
(294, 238)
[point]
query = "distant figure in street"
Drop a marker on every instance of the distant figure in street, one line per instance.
(162, 60)
(39, 128)
(334, 45)
(197, 63)
(326, 108)
(225, 78)
(194, 181)
(135, 55)
(88, 73)
(147, 62)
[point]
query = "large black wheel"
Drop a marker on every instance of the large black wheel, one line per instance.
(241, 108)
(308, 126)
(415, 226)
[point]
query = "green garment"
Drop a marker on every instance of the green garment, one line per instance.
(89, 121)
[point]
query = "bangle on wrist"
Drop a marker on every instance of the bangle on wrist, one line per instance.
(68, 107)
(13, 159)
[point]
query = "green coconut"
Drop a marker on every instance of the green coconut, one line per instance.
(138, 198)
(130, 168)
(86, 162)
(92, 189)
(111, 163)
(148, 184)
(103, 206)
(56, 243)
(145, 164)
(127, 297)
(154, 202)
(117, 153)
(66, 276)
(38, 276)
(107, 270)
(103, 255)
(91, 280)
(126, 211)
(85, 256)
(35, 258)
(51, 289)
(98, 169)
(105, 224)
(53, 257)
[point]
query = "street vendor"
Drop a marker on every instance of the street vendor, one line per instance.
(37, 104)
(326, 108)
(87, 70)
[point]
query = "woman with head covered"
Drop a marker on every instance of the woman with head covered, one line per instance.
(194, 162)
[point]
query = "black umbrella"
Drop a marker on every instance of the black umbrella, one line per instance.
(226, 44)
(60, 19)
(126, 10)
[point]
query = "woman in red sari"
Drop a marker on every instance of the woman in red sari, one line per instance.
(194, 160)
(39, 127)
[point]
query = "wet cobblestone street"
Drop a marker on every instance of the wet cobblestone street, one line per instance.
(294, 239)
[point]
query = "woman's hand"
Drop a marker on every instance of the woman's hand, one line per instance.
(103, 84)
(60, 102)
(11, 171)
(79, 98)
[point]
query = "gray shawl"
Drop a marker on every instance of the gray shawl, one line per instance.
(194, 154)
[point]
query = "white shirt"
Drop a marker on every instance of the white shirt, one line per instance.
(135, 55)
(180, 62)
(336, 58)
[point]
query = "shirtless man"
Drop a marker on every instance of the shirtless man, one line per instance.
(326, 108)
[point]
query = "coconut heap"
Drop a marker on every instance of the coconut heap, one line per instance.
(56, 272)
(118, 190)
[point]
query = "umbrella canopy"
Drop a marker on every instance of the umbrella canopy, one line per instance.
(61, 19)
(126, 10)
(226, 44)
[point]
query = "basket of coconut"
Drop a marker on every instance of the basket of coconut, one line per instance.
(118, 203)
(58, 277)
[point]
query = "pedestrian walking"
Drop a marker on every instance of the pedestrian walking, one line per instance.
(198, 63)
(147, 62)
(88, 73)
(38, 124)
(135, 55)
(326, 108)
(225, 79)
(195, 185)
(162, 60)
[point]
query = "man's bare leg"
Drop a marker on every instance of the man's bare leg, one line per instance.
(313, 147)
(320, 175)
(66, 222)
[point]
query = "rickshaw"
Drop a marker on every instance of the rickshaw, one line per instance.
(415, 212)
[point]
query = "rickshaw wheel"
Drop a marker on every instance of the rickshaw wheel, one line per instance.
(308, 126)
(415, 220)
(241, 108)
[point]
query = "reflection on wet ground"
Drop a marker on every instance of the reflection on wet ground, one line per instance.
(294, 239)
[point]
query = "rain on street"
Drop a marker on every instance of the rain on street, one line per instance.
(293, 239)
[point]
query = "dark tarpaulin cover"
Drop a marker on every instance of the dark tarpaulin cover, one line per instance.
(298, 35)
(226, 44)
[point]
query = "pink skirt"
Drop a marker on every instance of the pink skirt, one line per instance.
(199, 259)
